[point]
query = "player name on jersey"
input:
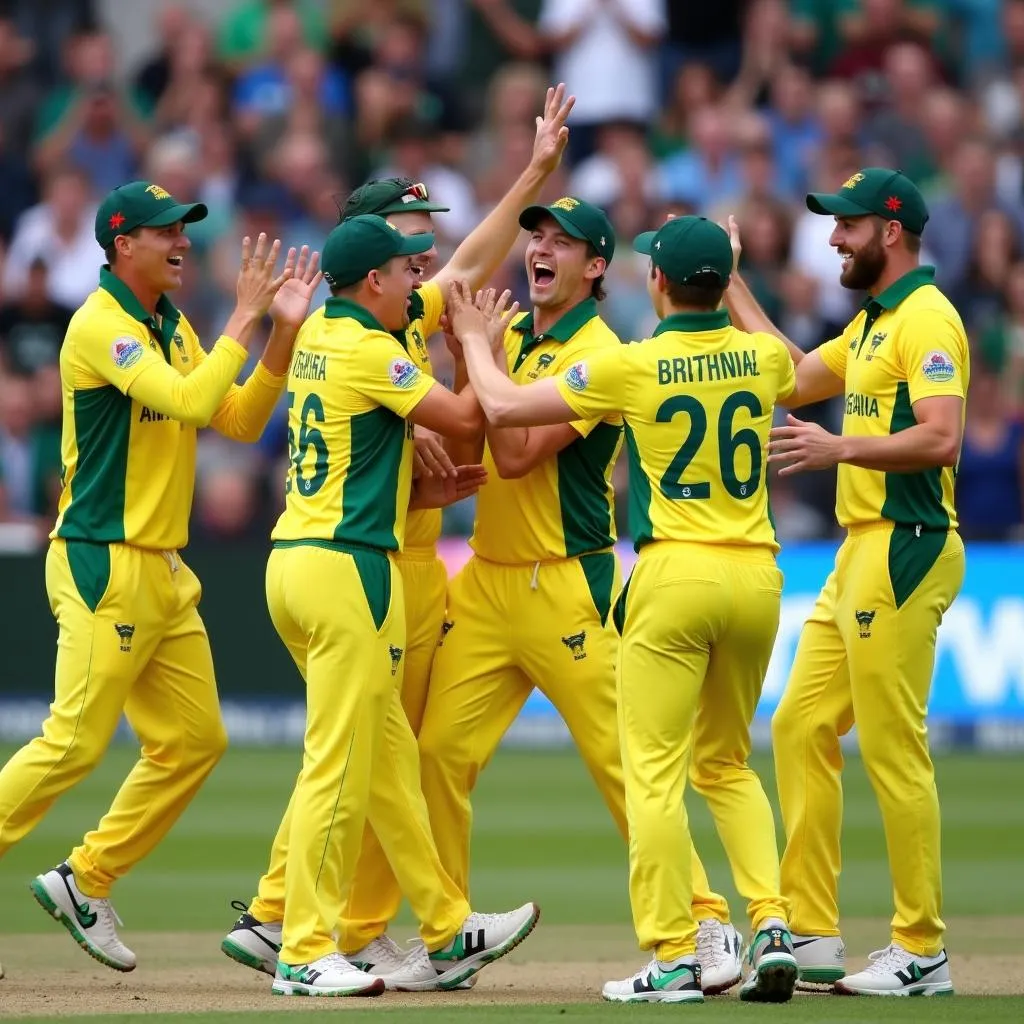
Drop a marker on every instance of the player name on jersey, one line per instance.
(309, 365)
(708, 367)
(861, 405)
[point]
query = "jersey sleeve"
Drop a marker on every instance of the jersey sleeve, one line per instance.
(787, 371)
(833, 354)
(128, 362)
(246, 409)
(933, 356)
(433, 307)
(383, 372)
(594, 386)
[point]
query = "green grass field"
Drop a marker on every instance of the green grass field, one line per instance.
(540, 833)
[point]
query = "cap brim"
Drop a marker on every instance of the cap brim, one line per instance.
(837, 206)
(417, 206)
(187, 212)
(412, 245)
(532, 215)
(644, 242)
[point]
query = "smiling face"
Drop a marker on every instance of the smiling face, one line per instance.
(393, 284)
(156, 255)
(858, 241)
(560, 268)
(416, 222)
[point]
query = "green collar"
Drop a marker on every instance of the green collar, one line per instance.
(335, 308)
(126, 299)
(692, 323)
(901, 289)
(566, 325)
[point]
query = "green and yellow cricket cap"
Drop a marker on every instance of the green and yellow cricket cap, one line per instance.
(364, 243)
(141, 204)
(878, 190)
(577, 218)
(390, 195)
(688, 250)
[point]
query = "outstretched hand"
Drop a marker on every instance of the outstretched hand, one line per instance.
(439, 492)
(552, 133)
(291, 304)
(800, 445)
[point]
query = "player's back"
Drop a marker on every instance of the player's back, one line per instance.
(350, 449)
(698, 404)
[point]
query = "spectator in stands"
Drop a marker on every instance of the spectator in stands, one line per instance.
(59, 230)
(989, 492)
(32, 327)
(604, 51)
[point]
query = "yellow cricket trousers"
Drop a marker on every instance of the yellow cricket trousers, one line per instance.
(130, 640)
(514, 627)
(375, 896)
(340, 612)
(866, 655)
(698, 624)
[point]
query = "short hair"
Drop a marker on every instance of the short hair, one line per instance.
(597, 288)
(110, 252)
(912, 241)
(700, 294)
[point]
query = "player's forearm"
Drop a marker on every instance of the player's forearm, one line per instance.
(495, 392)
(484, 248)
(194, 399)
(464, 452)
(244, 413)
(747, 314)
(921, 447)
(277, 355)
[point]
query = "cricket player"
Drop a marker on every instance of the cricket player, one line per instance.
(137, 385)
(699, 615)
(531, 606)
(375, 896)
(335, 597)
(867, 652)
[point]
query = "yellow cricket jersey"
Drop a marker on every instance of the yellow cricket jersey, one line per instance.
(904, 345)
(697, 399)
(565, 506)
(134, 389)
(423, 526)
(351, 386)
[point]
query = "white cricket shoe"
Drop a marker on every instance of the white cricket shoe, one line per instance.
(253, 943)
(656, 984)
(482, 939)
(821, 960)
(720, 955)
(380, 956)
(91, 921)
(331, 975)
(895, 972)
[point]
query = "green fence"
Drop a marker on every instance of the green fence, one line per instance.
(250, 659)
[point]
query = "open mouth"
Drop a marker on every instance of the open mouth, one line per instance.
(846, 258)
(175, 261)
(543, 274)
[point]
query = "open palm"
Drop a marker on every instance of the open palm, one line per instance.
(291, 303)
(552, 133)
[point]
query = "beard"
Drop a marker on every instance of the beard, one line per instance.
(865, 266)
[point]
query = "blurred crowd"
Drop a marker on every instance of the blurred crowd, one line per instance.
(273, 110)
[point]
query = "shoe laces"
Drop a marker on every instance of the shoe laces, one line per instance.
(646, 971)
(710, 942)
(385, 946)
(104, 910)
(418, 957)
(334, 962)
(892, 958)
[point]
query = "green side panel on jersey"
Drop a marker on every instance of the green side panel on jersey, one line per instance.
(599, 570)
(103, 423)
(911, 556)
(639, 496)
(587, 513)
(369, 505)
(90, 569)
(912, 498)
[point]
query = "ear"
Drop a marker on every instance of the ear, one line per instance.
(596, 268)
(893, 231)
(660, 280)
(373, 278)
(123, 245)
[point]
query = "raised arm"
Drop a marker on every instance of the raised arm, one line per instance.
(483, 250)
(244, 411)
(815, 381)
(136, 370)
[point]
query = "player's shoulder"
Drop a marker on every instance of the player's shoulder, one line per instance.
(931, 302)
(101, 318)
(596, 333)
